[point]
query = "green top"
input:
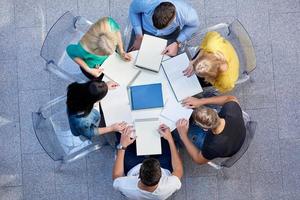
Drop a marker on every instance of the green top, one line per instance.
(77, 51)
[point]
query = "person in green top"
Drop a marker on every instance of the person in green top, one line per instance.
(100, 41)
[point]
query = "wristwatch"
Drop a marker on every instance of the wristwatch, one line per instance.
(120, 147)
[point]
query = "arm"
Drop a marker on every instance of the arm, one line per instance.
(125, 141)
(94, 72)
(125, 56)
(135, 10)
(196, 155)
(117, 127)
(193, 102)
(175, 158)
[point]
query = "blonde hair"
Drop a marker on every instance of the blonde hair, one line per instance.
(206, 117)
(99, 39)
(207, 65)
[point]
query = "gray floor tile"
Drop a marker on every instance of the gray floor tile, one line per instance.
(200, 9)
(10, 170)
(266, 186)
(72, 192)
(11, 193)
(9, 108)
(8, 71)
(180, 194)
(38, 175)
(219, 8)
(30, 13)
(94, 10)
(56, 8)
(284, 6)
(30, 101)
(7, 12)
(7, 42)
(72, 173)
(121, 17)
(103, 190)
(204, 187)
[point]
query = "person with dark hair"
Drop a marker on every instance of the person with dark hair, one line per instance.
(140, 177)
(212, 135)
(83, 108)
(173, 20)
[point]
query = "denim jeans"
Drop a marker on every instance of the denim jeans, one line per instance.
(131, 159)
(195, 134)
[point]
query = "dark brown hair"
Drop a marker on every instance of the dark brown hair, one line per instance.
(150, 172)
(163, 14)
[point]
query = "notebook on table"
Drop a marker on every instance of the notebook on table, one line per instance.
(148, 141)
(120, 71)
(116, 106)
(181, 85)
(146, 96)
(150, 53)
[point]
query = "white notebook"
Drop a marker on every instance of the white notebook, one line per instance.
(175, 111)
(116, 107)
(119, 70)
(150, 53)
(181, 85)
(148, 138)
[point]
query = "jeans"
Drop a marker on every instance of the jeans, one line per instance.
(195, 134)
(131, 159)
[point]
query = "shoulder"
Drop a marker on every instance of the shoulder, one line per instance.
(231, 109)
(125, 182)
(211, 41)
(113, 24)
(170, 182)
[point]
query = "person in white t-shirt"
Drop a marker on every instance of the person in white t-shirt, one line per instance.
(154, 177)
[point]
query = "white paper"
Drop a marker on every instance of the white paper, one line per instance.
(150, 54)
(182, 86)
(175, 111)
(119, 70)
(116, 107)
(148, 138)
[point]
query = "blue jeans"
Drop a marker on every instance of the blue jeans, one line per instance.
(195, 134)
(131, 159)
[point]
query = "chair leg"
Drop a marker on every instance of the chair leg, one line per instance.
(59, 167)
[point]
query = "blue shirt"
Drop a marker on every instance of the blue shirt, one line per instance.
(141, 11)
(85, 125)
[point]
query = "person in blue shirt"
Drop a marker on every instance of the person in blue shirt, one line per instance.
(83, 108)
(173, 20)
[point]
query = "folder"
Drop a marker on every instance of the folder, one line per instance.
(181, 85)
(121, 71)
(150, 53)
(148, 141)
(146, 96)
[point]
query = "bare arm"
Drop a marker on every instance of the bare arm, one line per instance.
(94, 72)
(193, 102)
(175, 158)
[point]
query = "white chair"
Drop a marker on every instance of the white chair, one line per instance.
(66, 30)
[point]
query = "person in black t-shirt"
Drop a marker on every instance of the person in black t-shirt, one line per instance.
(224, 132)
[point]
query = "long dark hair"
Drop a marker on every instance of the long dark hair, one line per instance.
(82, 96)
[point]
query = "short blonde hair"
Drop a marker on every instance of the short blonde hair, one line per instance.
(99, 39)
(207, 65)
(206, 117)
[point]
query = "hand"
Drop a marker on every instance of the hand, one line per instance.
(126, 56)
(112, 85)
(165, 132)
(119, 127)
(191, 102)
(126, 138)
(189, 71)
(182, 126)
(137, 43)
(171, 50)
(96, 72)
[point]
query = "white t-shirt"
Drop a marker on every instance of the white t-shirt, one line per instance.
(128, 185)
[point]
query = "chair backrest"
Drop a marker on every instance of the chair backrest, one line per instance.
(52, 130)
(250, 131)
(66, 30)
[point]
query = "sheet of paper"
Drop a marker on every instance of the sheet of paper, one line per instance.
(182, 86)
(149, 56)
(148, 138)
(175, 111)
(116, 107)
(119, 70)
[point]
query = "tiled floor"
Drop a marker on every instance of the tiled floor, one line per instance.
(269, 170)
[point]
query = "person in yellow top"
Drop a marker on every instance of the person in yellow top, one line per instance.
(217, 63)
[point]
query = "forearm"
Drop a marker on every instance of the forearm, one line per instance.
(218, 100)
(175, 159)
(118, 170)
(191, 149)
(120, 43)
(83, 65)
(104, 130)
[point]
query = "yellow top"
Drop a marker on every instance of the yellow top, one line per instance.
(213, 42)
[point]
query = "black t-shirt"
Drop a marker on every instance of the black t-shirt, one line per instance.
(230, 140)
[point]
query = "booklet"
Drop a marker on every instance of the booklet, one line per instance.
(150, 54)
